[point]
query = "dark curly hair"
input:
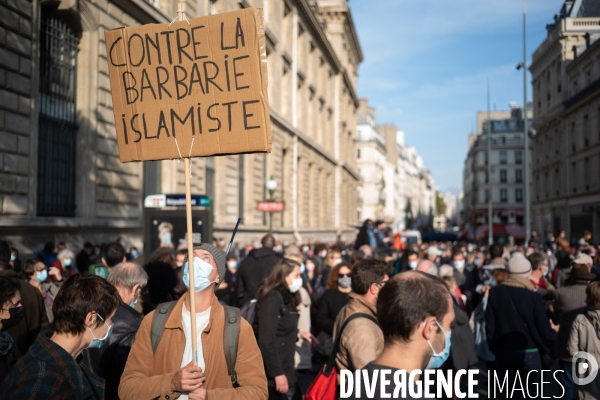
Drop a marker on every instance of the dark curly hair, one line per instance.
(162, 280)
(8, 288)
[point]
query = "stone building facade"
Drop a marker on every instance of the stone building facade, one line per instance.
(566, 145)
(394, 185)
(506, 183)
(60, 175)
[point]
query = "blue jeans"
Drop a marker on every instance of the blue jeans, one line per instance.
(566, 379)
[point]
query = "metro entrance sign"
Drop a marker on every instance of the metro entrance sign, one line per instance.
(175, 200)
(271, 206)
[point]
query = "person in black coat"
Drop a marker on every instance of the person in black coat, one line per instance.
(227, 291)
(364, 235)
(511, 305)
(109, 361)
(333, 300)
(10, 299)
(255, 268)
(312, 278)
(276, 326)
(462, 349)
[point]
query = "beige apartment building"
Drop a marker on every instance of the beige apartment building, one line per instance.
(566, 145)
(60, 175)
(505, 185)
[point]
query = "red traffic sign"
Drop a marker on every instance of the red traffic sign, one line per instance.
(271, 206)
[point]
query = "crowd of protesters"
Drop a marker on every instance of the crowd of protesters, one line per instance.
(76, 325)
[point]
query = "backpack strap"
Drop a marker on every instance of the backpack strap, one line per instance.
(231, 335)
(336, 345)
(159, 319)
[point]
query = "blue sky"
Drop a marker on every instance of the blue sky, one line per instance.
(427, 63)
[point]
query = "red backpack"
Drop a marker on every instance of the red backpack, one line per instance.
(325, 385)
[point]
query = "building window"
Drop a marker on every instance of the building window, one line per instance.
(502, 157)
(557, 181)
(485, 158)
(574, 175)
(586, 136)
(503, 196)
(586, 173)
(241, 187)
(57, 135)
(518, 195)
(518, 157)
(573, 138)
(357, 153)
(503, 176)
(518, 176)
(210, 179)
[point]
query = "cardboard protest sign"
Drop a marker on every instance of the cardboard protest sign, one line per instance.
(206, 81)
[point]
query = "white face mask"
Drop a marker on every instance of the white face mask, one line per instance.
(296, 285)
(337, 261)
(459, 264)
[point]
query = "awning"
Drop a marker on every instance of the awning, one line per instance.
(516, 231)
(482, 230)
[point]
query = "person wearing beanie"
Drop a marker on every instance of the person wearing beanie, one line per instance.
(160, 363)
(517, 329)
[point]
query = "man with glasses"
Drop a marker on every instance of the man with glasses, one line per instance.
(361, 340)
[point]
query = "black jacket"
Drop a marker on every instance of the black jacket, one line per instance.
(329, 307)
(251, 272)
(462, 349)
(276, 327)
(34, 321)
(228, 295)
(362, 238)
(108, 362)
(504, 329)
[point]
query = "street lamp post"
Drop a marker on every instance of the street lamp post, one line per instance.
(526, 129)
(271, 186)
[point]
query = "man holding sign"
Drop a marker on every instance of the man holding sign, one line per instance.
(160, 363)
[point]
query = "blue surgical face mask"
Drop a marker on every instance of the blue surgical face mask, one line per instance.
(134, 302)
(438, 359)
(201, 271)
(166, 238)
(97, 343)
(302, 268)
(42, 276)
(492, 282)
(476, 262)
(413, 264)
(67, 262)
(546, 271)
(13, 257)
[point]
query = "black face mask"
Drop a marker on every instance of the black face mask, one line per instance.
(16, 315)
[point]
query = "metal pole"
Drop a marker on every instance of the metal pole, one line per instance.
(271, 212)
(526, 130)
(489, 170)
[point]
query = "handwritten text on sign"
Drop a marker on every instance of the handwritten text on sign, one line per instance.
(205, 80)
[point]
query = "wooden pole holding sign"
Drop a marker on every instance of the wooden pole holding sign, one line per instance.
(190, 236)
(201, 82)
